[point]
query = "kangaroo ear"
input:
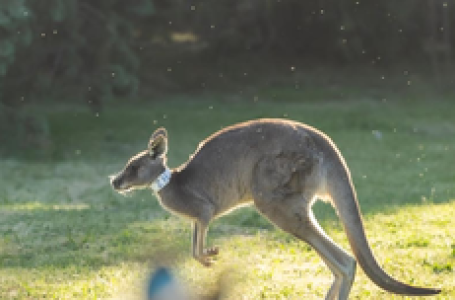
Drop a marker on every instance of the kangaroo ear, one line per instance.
(158, 143)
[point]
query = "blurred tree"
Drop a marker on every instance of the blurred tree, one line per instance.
(91, 49)
(94, 50)
(66, 49)
(15, 33)
(69, 47)
(338, 30)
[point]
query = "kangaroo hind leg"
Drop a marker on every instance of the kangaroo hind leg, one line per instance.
(294, 217)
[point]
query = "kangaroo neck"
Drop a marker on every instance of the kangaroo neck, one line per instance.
(180, 197)
(161, 181)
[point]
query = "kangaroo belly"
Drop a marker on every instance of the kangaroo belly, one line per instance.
(286, 175)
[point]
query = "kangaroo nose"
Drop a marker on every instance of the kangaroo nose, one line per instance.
(115, 182)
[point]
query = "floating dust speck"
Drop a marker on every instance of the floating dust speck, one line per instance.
(377, 134)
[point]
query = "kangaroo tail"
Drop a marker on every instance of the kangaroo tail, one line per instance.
(342, 192)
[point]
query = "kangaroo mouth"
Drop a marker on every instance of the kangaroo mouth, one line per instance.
(124, 188)
(118, 185)
(125, 191)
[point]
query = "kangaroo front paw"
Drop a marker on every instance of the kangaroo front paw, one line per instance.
(206, 258)
(206, 262)
(211, 252)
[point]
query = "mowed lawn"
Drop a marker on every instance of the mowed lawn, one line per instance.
(64, 234)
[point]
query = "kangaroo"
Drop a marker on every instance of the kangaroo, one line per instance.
(280, 166)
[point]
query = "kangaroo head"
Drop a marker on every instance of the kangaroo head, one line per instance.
(143, 168)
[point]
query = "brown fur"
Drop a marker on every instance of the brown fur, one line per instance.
(281, 167)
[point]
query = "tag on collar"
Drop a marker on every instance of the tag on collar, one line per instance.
(161, 181)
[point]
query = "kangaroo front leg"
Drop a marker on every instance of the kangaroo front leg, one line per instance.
(199, 253)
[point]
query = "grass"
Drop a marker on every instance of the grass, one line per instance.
(64, 234)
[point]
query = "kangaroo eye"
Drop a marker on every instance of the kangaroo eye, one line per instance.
(134, 168)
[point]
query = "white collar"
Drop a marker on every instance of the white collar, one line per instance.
(161, 181)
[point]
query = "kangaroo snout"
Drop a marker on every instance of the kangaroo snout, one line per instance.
(115, 181)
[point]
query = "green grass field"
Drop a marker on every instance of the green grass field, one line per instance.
(65, 234)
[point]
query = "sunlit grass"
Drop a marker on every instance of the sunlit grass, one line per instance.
(64, 234)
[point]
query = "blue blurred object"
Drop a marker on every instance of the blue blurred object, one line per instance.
(163, 286)
(158, 281)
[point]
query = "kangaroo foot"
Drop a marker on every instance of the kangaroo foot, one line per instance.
(206, 258)
(209, 252)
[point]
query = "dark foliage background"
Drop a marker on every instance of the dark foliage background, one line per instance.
(92, 51)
